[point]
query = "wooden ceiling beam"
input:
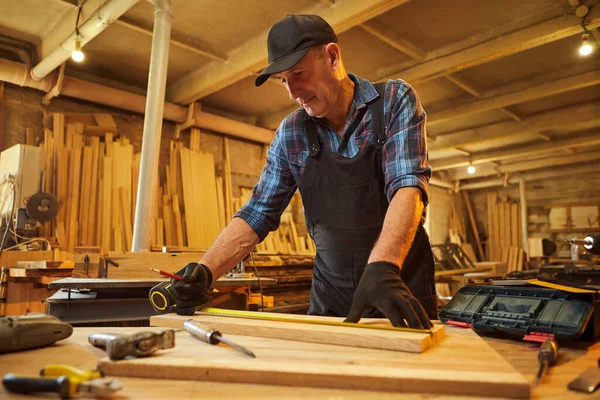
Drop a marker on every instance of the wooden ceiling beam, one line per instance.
(563, 117)
(485, 103)
(463, 152)
(467, 87)
(544, 136)
(505, 154)
(203, 50)
(252, 55)
(384, 34)
(473, 54)
(535, 176)
(532, 165)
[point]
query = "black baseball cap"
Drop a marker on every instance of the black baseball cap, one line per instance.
(291, 38)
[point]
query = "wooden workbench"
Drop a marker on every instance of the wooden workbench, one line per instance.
(77, 352)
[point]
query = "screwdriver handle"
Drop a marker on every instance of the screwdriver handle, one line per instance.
(24, 384)
(548, 352)
(194, 328)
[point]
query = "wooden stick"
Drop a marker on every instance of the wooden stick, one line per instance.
(123, 195)
(473, 224)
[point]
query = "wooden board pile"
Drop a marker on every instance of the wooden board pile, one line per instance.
(95, 179)
(95, 182)
(284, 240)
(504, 232)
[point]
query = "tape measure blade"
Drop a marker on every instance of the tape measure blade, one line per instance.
(286, 318)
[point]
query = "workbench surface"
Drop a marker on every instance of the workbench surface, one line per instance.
(76, 351)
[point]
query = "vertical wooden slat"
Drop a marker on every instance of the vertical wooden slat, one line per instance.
(227, 182)
(125, 212)
(107, 205)
(84, 200)
(473, 224)
(93, 206)
(74, 196)
(2, 128)
(514, 225)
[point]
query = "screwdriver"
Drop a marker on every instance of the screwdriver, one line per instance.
(212, 336)
(547, 357)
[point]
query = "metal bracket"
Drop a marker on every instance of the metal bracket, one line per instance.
(106, 262)
(55, 91)
(190, 121)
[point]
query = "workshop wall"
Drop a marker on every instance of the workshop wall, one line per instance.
(541, 196)
(439, 213)
(24, 110)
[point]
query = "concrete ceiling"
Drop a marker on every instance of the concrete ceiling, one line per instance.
(490, 74)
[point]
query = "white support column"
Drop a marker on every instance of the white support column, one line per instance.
(153, 119)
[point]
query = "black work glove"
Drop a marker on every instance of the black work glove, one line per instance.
(191, 291)
(382, 287)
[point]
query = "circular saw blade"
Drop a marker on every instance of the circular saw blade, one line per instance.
(42, 207)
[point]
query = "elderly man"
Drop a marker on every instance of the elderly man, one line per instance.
(358, 154)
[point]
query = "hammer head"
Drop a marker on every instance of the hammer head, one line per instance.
(141, 344)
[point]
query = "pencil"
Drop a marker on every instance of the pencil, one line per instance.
(168, 274)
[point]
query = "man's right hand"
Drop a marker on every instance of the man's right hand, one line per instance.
(191, 291)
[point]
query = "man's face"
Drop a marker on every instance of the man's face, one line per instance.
(310, 83)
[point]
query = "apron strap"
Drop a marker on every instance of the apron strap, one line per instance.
(313, 137)
(377, 115)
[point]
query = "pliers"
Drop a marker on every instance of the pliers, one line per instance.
(65, 380)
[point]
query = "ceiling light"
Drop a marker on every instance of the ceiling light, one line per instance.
(471, 170)
(586, 47)
(77, 55)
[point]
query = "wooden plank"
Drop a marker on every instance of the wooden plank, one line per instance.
(30, 272)
(520, 260)
(107, 205)
(514, 225)
(74, 166)
(93, 206)
(136, 265)
(187, 197)
(85, 198)
(506, 224)
(10, 258)
(473, 225)
(220, 203)
(227, 182)
(104, 119)
(126, 215)
(413, 342)
(479, 371)
(178, 223)
(501, 223)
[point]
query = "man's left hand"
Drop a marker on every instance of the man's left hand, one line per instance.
(382, 287)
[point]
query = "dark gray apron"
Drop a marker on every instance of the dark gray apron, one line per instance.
(345, 205)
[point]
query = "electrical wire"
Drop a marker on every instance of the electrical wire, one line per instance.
(29, 241)
(262, 300)
(12, 210)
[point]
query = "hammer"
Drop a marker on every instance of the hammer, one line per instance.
(141, 344)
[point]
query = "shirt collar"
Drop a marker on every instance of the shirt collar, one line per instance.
(364, 93)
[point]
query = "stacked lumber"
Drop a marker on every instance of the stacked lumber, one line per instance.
(504, 232)
(94, 175)
(95, 182)
(284, 240)
(189, 198)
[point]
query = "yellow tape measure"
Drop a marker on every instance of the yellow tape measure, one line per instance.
(287, 318)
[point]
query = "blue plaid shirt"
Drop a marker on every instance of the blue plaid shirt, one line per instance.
(405, 160)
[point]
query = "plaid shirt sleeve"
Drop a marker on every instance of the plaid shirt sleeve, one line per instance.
(274, 190)
(405, 160)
